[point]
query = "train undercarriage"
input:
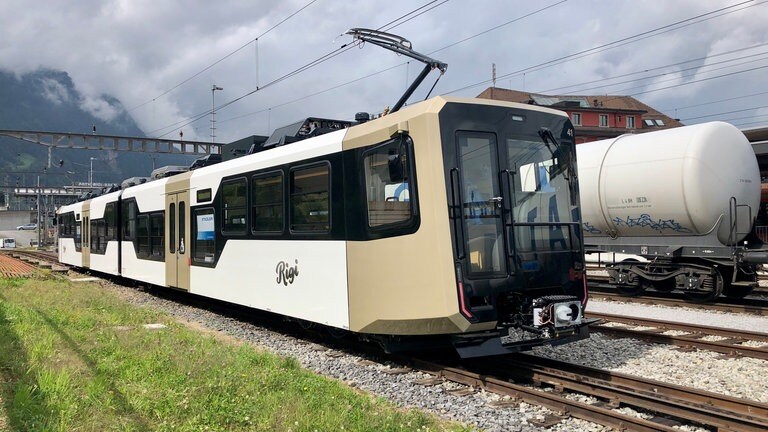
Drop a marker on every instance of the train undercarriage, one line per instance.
(699, 280)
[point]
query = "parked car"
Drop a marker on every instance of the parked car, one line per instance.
(7, 243)
(29, 226)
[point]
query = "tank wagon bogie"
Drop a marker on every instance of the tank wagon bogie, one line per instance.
(684, 200)
(451, 221)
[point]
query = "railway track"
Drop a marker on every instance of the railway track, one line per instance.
(729, 341)
(663, 405)
(23, 263)
(749, 305)
(521, 378)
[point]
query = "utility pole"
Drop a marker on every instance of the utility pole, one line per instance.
(213, 112)
(39, 245)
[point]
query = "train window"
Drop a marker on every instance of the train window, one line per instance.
(234, 206)
(172, 228)
(182, 226)
(78, 237)
(310, 199)
(267, 203)
(110, 221)
(129, 220)
(98, 236)
(142, 235)
(204, 195)
(203, 236)
(387, 181)
(156, 235)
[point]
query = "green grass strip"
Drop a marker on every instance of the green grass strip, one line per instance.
(76, 358)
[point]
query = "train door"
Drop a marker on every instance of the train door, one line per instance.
(482, 214)
(177, 253)
(85, 221)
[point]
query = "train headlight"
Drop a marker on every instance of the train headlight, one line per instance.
(557, 311)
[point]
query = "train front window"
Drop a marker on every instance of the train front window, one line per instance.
(542, 195)
(542, 192)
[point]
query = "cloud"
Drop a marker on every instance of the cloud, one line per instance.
(138, 50)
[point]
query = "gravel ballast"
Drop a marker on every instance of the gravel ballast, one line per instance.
(704, 370)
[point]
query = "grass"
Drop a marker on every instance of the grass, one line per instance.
(76, 358)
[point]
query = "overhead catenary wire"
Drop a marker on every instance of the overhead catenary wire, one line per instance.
(230, 54)
(392, 24)
(622, 42)
(395, 66)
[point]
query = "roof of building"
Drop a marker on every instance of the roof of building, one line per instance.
(626, 104)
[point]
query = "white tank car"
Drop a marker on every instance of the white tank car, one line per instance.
(672, 196)
(676, 182)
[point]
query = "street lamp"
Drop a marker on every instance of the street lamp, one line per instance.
(90, 174)
(213, 112)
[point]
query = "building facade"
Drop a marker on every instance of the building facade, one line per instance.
(594, 117)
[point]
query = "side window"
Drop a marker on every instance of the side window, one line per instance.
(267, 203)
(142, 236)
(156, 231)
(387, 183)
(129, 220)
(172, 228)
(110, 219)
(94, 236)
(234, 206)
(310, 199)
(203, 236)
(78, 235)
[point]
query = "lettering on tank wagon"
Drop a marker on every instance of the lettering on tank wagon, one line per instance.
(286, 274)
(588, 227)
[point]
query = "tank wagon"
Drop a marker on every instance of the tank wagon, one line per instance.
(684, 200)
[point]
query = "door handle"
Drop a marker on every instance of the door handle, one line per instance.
(497, 200)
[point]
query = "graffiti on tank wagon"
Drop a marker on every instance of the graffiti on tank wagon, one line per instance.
(646, 221)
(588, 227)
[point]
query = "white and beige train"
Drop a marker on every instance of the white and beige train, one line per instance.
(452, 221)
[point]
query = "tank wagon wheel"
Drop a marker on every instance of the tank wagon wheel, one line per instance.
(634, 286)
(710, 289)
(631, 290)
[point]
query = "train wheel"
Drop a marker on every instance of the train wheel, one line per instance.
(710, 289)
(630, 290)
(626, 283)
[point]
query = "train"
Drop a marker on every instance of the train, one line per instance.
(681, 203)
(453, 222)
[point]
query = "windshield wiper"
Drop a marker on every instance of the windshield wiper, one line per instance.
(547, 136)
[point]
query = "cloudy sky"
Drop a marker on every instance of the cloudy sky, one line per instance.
(696, 60)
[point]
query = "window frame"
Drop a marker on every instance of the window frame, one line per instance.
(576, 118)
(282, 193)
(290, 197)
(633, 124)
(244, 207)
(194, 213)
(602, 123)
(413, 217)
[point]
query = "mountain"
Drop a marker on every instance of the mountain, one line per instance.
(47, 100)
